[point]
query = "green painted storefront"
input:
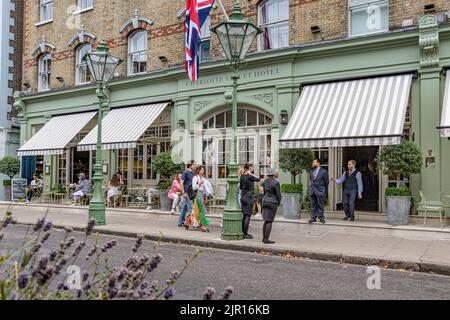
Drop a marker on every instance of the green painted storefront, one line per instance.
(271, 82)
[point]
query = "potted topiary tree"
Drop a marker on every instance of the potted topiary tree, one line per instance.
(293, 161)
(162, 163)
(396, 161)
(9, 166)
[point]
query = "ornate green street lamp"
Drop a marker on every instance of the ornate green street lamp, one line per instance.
(235, 36)
(102, 66)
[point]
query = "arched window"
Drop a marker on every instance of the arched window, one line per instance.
(273, 19)
(137, 52)
(245, 118)
(44, 72)
(82, 74)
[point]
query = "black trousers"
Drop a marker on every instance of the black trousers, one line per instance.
(348, 202)
(317, 206)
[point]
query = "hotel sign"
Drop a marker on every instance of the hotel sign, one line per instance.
(225, 79)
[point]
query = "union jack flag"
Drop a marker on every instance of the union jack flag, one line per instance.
(196, 13)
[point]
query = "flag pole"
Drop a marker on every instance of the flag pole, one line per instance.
(223, 9)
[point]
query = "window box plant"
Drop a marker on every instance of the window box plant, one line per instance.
(399, 160)
(293, 161)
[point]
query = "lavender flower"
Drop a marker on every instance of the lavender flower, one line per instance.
(45, 237)
(154, 262)
(39, 224)
(90, 227)
(138, 243)
(169, 293)
(78, 249)
(23, 280)
(52, 255)
(227, 293)
(208, 294)
(47, 226)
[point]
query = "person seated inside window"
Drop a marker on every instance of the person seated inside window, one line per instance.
(83, 188)
(35, 187)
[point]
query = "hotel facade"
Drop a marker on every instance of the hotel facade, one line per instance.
(348, 76)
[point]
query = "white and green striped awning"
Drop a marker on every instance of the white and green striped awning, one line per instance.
(56, 134)
(445, 119)
(349, 113)
(123, 127)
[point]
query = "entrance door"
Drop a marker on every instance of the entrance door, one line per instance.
(365, 163)
(80, 164)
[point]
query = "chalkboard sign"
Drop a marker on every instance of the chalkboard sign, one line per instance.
(19, 189)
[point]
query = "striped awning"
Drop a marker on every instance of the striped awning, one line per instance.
(365, 112)
(56, 134)
(122, 127)
(445, 120)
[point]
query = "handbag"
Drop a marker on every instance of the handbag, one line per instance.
(191, 193)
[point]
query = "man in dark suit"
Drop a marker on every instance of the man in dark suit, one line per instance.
(319, 191)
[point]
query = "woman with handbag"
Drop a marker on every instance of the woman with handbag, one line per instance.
(197, 218)
(175, 193)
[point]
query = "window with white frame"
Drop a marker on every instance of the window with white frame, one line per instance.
(368, 16)
(46, 10)
(85, 4)
(44, 72)
(273, 19)
(82, 74)
(205, 45)
(137, 52)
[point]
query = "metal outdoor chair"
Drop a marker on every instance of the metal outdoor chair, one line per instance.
(427, 207)
(444, 197)
(46, 195)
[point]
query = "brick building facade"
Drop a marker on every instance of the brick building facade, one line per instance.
(166, 31)
(308, 46)
(11, 13)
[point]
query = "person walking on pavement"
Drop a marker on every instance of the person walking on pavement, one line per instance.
(318, 191)
(270, 203)
(247, 187)
(352, 187)
(186, 187)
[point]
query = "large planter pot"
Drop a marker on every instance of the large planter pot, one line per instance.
(164, 200)
(398, 209)
(291, 204)
(8, 194)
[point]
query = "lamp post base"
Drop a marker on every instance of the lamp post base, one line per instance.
(232, 225)
(97, 212)
(232, 215)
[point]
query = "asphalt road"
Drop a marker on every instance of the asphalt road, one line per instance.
(258, 276)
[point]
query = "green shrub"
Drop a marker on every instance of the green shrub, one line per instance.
(398, 192)
(162, 163)
(10, 166)
(7, 183)
(295, 161)
(292, 188)
(403, 159)
(164, 185)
